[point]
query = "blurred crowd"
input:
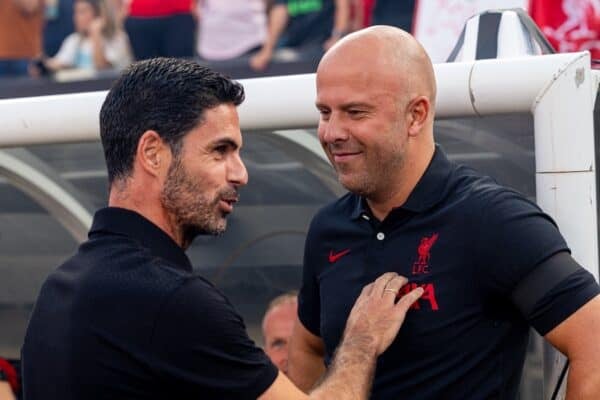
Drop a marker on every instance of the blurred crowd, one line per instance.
(41, 37)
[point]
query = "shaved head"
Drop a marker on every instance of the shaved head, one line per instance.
(376, 96)
(388, 52)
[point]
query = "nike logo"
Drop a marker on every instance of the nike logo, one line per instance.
(333, 257)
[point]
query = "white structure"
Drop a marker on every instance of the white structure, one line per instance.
(559, 90)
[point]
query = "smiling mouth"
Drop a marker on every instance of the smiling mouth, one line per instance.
(342, 157)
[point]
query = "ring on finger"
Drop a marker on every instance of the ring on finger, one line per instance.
(390, 290)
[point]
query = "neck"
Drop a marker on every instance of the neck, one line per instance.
(399, 189)
(124, 195)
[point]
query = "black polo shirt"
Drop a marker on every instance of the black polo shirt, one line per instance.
(125, 318)
(469, 243)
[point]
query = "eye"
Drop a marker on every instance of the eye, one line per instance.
(324, 114)
(222, 149)
(356, 113)
(278, 343)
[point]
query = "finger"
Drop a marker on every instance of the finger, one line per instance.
(408, 300)
(365, 292)
(381, 282)
(367, 289)
(393, 287)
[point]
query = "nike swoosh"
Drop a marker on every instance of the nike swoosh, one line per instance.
(333, 257)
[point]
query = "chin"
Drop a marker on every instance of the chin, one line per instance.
(350, 182)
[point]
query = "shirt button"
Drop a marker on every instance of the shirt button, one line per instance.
(365, 216)
(380, 236)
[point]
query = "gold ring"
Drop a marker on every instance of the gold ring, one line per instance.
(391, 290)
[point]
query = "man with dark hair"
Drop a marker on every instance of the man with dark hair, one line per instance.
(126, 317)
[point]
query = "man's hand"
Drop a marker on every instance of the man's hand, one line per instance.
(371, 327)
(376, 317)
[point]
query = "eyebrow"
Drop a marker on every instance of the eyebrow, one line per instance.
(347, 106)
(225, 141)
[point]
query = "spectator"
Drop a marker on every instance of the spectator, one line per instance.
(159, 28)
(230, 29)
(362, 13)
(309, 26)
(277, 326)
(59, 24)
(20, 35)
(97, 42)
(394, 13)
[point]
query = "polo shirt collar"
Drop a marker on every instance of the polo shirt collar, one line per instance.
(428, 192)
(120, 221)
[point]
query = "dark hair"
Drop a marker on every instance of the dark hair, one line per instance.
(166, 95)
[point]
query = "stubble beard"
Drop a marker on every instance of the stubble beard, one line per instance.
(376, 179)
(192, 211)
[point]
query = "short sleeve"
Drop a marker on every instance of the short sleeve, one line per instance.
(68, 50)
(515, 236)
(203, 350)
(553, 291)
(309, 301)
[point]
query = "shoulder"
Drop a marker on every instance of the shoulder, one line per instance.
(72, 39)
(482, 192)
(117, 266)
(198, 302)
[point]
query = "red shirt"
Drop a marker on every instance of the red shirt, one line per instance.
(569, 25)
(159, 8)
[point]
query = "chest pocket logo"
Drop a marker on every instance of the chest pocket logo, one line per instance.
(421, 265)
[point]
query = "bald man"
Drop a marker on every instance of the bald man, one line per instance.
(277, 326)
(491, 263)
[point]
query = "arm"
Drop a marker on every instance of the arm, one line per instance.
(97, 39)
(577, 338)
(358, 15)
(278, 18)
(341, 22)
(371, 327)
(305, 361)
(5, 391)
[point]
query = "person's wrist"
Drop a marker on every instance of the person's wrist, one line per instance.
(364, 345)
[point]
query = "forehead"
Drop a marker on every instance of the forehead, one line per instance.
(356, 81)
(281, 315)
(218, 123)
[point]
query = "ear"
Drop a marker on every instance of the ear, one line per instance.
(418, 110)
(153, 155)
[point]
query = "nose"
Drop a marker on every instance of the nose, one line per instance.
(332, 130)
(237, 173)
